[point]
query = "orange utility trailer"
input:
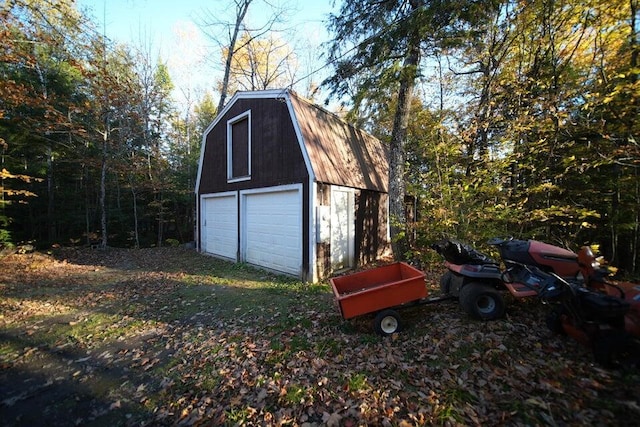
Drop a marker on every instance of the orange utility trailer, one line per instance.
(380, 290)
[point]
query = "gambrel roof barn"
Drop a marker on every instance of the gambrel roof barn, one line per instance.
(286, 185)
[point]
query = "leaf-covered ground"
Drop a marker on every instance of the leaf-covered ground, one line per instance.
(171, 337)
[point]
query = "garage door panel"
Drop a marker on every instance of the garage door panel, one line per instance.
(273, 230)
(220, 228)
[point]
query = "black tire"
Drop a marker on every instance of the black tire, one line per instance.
(445, 283)
(387, 322)
(482, 301)
(611, 348)
(553, 320)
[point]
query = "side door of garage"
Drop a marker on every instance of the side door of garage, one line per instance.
(342, 228)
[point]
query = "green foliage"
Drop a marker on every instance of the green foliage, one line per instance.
(81, 115)
(538, 147)
(5, 237)
(524, 122)
(173, 242)
(357, 382)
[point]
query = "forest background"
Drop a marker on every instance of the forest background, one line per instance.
(521, 118)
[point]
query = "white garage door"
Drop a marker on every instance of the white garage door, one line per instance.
(272, 230)
(220, 225)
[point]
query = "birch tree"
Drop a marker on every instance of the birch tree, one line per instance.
(262, 63)
(235, 33)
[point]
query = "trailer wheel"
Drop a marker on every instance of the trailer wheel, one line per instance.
(445, 283)
(482, 301)
(387, 322)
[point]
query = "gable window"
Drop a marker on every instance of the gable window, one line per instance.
(239, 147)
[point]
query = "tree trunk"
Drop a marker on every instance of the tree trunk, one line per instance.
(103, 191)
(635, 51)
(160, 219)
(51, 222)
(242, 6)
(398, 223)
(135, 216)
(636, 228)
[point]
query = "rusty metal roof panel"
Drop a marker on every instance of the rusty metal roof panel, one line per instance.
(340, 154)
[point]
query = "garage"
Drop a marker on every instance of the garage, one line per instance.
(272, 228)
(285, 185)
(220, 225)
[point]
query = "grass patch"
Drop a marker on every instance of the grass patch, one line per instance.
(102, 327)
(357, 382)
(327, 347)
(92, 328)
(299, 343)
(9, 350)
(209, 338)
(370, 338)
(237, 416)
(294, 395)
(453, 400)
(236, 290)
(209, 378)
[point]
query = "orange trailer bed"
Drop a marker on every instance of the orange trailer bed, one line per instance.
(383, 287)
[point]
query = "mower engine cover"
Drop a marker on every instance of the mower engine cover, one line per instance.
(459, 253)
(549, 257)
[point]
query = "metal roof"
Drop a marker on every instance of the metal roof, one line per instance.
(340, 153)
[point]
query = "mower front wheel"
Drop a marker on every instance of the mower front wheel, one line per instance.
(554, 320)
(612, 348)
(445, 283)
(482, 301)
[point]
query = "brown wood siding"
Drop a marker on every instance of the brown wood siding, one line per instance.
(371, 226)
(276, 158)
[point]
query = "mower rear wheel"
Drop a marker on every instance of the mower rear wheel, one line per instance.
(482, 301)
(387, 322)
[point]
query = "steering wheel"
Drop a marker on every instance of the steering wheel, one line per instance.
(505, 276)
(497, 241)
(554, 287)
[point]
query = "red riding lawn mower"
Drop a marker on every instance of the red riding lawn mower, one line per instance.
(587, 306)
(599, 313)
(477, 280)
